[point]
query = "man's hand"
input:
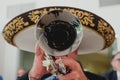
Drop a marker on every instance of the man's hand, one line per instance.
(76, 72)
(38, 70)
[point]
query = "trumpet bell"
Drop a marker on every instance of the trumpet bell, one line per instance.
(59, 32)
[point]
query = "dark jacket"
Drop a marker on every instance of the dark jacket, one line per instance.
(90, 76)
(110, 75)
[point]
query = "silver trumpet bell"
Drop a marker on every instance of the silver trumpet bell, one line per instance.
(59, 32)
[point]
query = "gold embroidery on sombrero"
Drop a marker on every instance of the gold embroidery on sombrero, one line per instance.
(86, 18)
(105, 30)
(35, 15)
(14, 27)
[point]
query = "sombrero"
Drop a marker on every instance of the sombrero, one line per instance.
(97, 33)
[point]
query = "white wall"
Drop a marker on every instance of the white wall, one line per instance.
(9, 54)
(11, 62)
(2, 54)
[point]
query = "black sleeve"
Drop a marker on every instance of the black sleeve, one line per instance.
(92, 76)
(110, 75)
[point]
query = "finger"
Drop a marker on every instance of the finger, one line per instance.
(71, 63)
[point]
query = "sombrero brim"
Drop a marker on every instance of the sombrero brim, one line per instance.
(97, 33)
